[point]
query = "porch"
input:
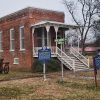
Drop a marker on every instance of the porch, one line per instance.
(45, 34)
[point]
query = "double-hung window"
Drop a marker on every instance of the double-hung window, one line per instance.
(22, 45)
(12, 39)
(0, 40)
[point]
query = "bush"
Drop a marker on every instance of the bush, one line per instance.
(51, 66)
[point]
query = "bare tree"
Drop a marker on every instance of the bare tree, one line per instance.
(88, 10)
(71, 37)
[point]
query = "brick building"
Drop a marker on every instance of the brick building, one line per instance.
(24, 32)
(16, 34)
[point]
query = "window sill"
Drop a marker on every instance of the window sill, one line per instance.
(11, 50)
(1, 50)
(15, 63)
(22, 49)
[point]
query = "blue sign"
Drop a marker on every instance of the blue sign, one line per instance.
(44, 54)
(97, 61)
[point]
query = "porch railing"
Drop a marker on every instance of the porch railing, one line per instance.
(67, 59)
(35, 51)
(82, 58)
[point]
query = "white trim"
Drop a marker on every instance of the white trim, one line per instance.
(21, 49)
(11, 39)
(1, 50)
(56, 30)
(15, 61)
(11, 50)
(33, 30)
(43, 40)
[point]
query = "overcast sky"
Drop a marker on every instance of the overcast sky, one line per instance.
(10, 6)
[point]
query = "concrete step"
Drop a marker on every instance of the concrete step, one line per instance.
(76, 70)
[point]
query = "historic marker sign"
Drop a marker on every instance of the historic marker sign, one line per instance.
(97, 61)
(44, 54)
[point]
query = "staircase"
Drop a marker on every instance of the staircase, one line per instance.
(73, 60)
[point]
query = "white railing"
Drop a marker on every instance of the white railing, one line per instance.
(66, 58)
(82, 58)
(35, 50)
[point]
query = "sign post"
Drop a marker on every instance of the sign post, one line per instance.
(44, 71)
(44, 55)
(96, 67)
(61, 42)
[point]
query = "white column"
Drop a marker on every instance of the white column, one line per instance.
(33, 39)
(47, 28)
(70, 32)
(43, 41)
(56, 30)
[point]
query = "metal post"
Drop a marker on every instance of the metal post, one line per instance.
(95, 75)
(44, 71)
(62, 70)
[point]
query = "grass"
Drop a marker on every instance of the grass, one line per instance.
(7, 93)
(54, 88)
(16, 74)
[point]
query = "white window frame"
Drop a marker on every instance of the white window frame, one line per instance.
(11, 40)
(1, 50)
(22, 38)
(16, 61)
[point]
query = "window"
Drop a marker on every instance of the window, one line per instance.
(22, 46)
(41, 37)
(12, 46)
(16, 61)
(0, 40)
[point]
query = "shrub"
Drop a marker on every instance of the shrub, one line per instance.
(51, 66)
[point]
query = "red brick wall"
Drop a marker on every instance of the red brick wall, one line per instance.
(25, 18)
(38, 15)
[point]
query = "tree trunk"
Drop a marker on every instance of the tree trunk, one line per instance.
(83, 49)
(83, 46)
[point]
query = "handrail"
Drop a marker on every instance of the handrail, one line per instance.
(82, 58)
(63, 55)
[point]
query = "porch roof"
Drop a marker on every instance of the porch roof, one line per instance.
(53, 23)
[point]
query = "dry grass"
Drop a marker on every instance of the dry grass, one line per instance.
(54, 88)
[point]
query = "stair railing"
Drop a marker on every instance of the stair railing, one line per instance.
(66, 58)
(82, 58)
